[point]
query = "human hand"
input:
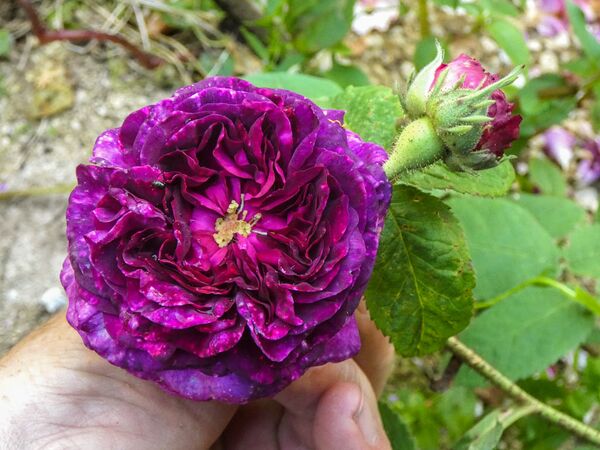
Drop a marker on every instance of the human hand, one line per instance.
(57, 394)
(331, 407)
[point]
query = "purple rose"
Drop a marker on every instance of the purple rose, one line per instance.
(503, 129)
(222, 238)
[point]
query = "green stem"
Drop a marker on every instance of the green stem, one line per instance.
(544, 281)
(424, 19)
(578, 295)
(37, 191)
(552, 415)
(417, 146)
(512, 415)
(575, 295)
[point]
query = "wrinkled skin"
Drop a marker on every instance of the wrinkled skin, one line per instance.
(56, 394)
(222, 239)
(500, 133)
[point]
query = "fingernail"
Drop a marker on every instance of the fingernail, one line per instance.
(367, 421)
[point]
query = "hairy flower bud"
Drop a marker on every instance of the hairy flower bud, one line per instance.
(472, 120)
(470, 113)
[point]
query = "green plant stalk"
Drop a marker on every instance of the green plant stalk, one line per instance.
(574, 295)
(417, 146)
(424, 19)
(552, 415)
(37, 191)
(512, 415)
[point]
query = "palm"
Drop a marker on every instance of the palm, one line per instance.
(80, 401)
(92, 404)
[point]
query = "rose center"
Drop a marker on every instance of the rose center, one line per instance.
(227, 227)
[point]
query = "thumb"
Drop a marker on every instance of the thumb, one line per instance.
(331, 404)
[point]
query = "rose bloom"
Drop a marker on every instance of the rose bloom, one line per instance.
(222, 238)
(503, 129)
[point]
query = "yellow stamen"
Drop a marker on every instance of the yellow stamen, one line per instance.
(227, 227)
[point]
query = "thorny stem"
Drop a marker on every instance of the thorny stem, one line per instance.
(552, 415)
(424, 19)
(45, 36)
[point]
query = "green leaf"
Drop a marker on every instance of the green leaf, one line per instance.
(510, 39)
(545, 101)
(371, 111)
(420, 290)
(547, 177)
(437, 177)
(588, 41)
(595, 114)
(255, 44)
(582, 66)
(583, 251)
(586, 299)
(318, 24)
(312, 87)
(425, 51)
(526, 333)
(502, 7)
(557, 215)
(395, 428)
(4, 43)
(485, 435)
(346, 75)
(507, 244)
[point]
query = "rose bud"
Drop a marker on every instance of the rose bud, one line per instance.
(222, 238)
(459, 115)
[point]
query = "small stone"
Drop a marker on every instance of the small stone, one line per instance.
(53, 299)
(588, 198)
(548, 62)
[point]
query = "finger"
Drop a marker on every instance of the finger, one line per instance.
(52, 373)
(342, 414)
(254, 427)
(376, 357)
(301, 401)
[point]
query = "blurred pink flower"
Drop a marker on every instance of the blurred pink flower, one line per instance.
(588, 169)
(559, 145)
(555, 20)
